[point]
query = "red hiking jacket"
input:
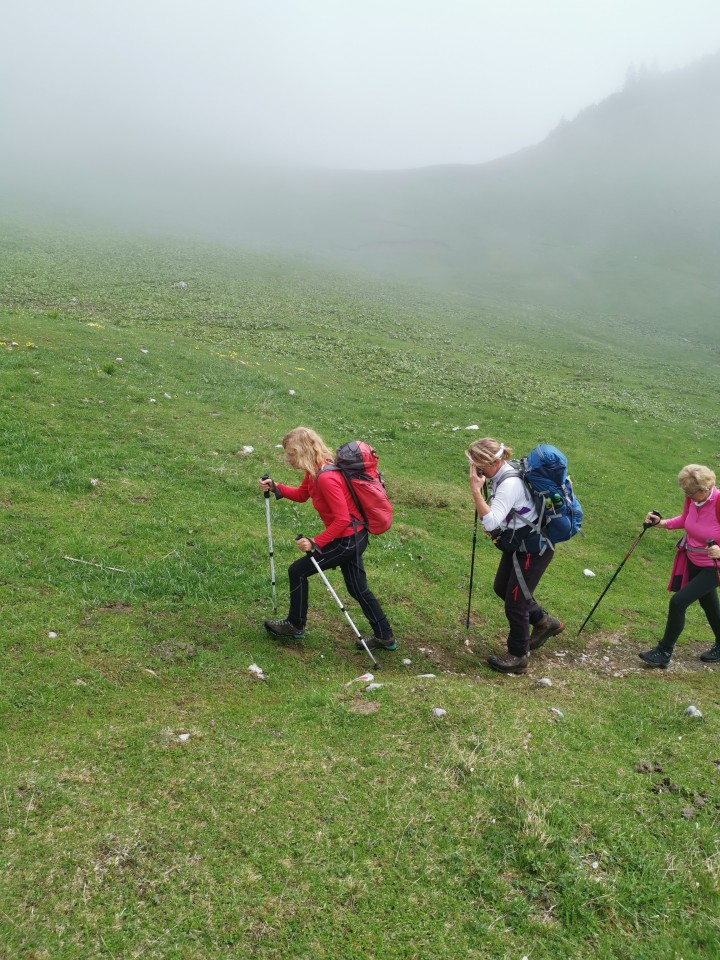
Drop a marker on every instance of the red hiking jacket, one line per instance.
(331, 498)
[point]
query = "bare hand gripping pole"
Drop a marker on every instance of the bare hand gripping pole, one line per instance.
(339, 602)
(266, 476)
(636, 541)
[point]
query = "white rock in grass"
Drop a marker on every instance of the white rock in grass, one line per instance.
(291, 392)
(588, 573)
(455, 428)
(248, 449)
(544, 682)
(144, 350)
(52, 635)
(439, 712)
(94, 481)
(152, 400)
(426, 676)
(256, 671)
(180, 285)
(406, 662)
(167, 396)
(693, 712)
(183, 737)
(558, 713)
(375, 686)
(473, 426)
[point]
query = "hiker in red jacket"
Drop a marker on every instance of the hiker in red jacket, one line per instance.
(695, 571)
(340, 544)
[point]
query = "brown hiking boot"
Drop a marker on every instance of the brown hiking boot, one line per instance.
(507, 663)
(544, 629)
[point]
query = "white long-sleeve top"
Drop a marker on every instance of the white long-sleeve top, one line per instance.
(507, 493)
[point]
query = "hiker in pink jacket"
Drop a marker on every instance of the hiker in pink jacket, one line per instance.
(695, 573)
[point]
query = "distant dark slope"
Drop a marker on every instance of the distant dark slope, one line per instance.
(618, 211)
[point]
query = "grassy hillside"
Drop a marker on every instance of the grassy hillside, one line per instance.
(160, 802)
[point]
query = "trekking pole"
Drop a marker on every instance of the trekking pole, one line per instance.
(472, 570)
(472, 561)
(711, 543)
(339, 602)
(636, 541)
(266, 476)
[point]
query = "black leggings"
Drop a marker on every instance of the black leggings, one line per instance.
(702, 586)
(345, 553)
(520, 611)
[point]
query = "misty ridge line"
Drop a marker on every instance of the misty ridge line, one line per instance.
(615, 212)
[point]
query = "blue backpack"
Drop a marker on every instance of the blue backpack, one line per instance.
(544, 471)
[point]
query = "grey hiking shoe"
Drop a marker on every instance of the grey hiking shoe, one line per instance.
(377, 643)
(712, 655)
(283, 628)
(657, 657)
(544, 629)
(507, 663)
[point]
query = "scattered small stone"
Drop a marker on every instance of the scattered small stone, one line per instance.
(688, 813)
(291, 392)
(73, 300)
(94, 481)
(473, 426)
(558, 713)
(407, 662)
(256, 672)
(595, 864)
(167, 396)
(179, 285)
(692, 711)
(183, 737)
(438, 712)
(560, 653)
(152, 400)
(144, 350)
(544, 682)
(52, 635)
(248, 449)
(588, 573)
(455, 428)
(426, 676)
(606, 659)
(374, 686)
(80, 683)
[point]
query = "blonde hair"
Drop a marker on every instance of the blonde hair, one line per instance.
(486, 451)
(694, 478)
(307, 449)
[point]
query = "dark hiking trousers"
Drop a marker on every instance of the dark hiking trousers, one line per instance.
(702, 586)
(521, 613)
(345, 553)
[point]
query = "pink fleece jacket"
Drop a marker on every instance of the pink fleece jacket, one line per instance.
(700, 524)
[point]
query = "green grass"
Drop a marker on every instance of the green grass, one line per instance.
(303, 817)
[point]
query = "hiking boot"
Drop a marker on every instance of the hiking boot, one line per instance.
(712, 655)
(657, 657)
(377, 643)
(283, 628)
(544, 629)
(507, 663)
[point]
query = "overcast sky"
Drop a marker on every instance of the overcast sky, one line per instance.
(340, 83)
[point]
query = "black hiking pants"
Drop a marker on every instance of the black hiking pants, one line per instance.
(702, 586)
(521, 613)
(345, 553)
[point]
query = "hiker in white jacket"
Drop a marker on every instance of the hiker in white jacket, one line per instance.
(503, 509)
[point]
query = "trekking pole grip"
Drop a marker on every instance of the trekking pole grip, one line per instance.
(301, 536)
(654, 513)
(266, 493)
